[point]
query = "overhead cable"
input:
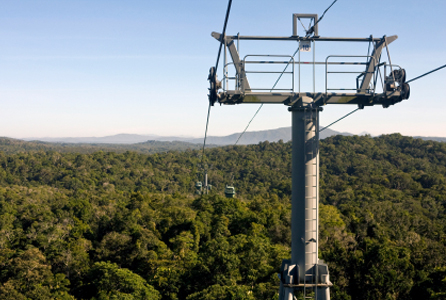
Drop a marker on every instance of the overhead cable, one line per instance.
(228, 10)
(205, 133)
(439, 68)
(339, 119)
(249, 123)
(325, 11)
(311, 30)
(260, 107)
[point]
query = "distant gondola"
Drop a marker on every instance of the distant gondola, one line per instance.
(229, 191)
(198, 187)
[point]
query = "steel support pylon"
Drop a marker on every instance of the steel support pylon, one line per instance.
(305, 276)
(305, 273)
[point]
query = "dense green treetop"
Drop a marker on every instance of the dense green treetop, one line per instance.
(109, 225)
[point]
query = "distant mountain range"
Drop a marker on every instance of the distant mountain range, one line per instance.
(123, 138)
(250, 137)
(431, 138)
(10, 146)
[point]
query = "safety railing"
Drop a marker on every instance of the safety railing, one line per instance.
(247, 67)
(248, 61)
(278, 73)
(227, 79)
(360, 74)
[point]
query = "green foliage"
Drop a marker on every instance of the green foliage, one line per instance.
(107, 225)
(26, 275)
(109, 282)
(227, 292)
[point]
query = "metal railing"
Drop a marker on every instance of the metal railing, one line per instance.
(226, 78)
(247, 61)
(370, 90)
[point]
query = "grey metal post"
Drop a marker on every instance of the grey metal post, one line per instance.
(304, 196)
(204, 187)
(206, 182)
(305, 200)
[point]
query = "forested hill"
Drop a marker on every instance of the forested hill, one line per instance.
(10, 146)
(109, 225)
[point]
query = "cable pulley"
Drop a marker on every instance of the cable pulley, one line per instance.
(215, 85)
(396, 81)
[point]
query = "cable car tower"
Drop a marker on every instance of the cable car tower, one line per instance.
(376, 83)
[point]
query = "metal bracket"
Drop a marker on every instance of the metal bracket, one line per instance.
(289, 273)
(374, 61)
(239, 67)
(305, 16)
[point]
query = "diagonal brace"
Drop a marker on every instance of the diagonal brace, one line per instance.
(374, 61)
(239, 67)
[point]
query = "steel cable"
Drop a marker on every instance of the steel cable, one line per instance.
(228, 10)
(311, 30)
(205, 134)
(418, 77)
(339, 119)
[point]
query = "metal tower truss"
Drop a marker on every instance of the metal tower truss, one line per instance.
(371, 82)
(364, 91)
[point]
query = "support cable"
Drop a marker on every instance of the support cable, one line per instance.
(205, 135)
(228, 10)
(439, 68)
(311, 30)
(249, 123)
(339, 119)
(260, 107)
(303, 24)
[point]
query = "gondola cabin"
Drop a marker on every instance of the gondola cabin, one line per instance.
(198, 187)
(229, 191)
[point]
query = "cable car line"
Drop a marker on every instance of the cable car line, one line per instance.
(311, 30)
(339, 119)
(325, 11)
(439, 68)
(216, 66)
(206, 132)
(228, 10)
(249, 123)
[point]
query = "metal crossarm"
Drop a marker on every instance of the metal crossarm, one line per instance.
(362, 91)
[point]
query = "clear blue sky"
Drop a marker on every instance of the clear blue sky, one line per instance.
(95, 68)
